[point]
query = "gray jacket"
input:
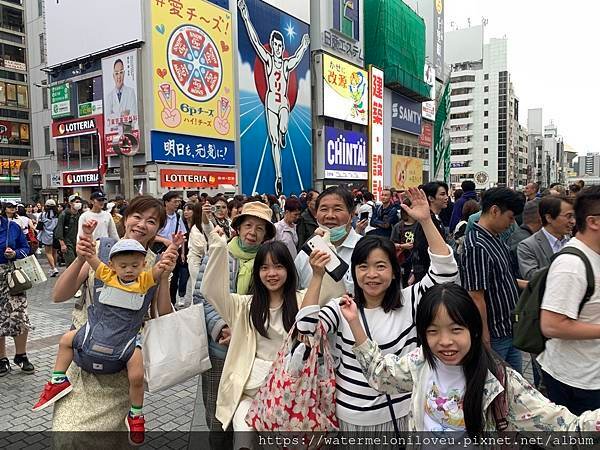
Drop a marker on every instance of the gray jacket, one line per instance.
(534, 254)
(214, 322)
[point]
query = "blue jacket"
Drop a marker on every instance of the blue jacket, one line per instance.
(458, 206)
(12, 236)
(384, 219)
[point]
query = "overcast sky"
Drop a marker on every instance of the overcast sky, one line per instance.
(553, 58)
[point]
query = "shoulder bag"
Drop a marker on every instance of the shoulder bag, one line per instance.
(17, 279)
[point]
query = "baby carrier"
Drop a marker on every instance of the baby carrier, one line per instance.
(107, 340)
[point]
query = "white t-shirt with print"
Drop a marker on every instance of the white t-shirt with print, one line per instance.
(444, 396)
(575, 363)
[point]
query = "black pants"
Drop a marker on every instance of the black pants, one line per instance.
(576, 400)
(179, 280)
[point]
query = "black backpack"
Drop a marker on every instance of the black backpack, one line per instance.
(527, 332)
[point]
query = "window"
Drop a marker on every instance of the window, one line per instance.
(486, 126)
(485, 163)
(486, 76)
(485, 138)
(42, 48)
(347, 126)
(329, 122)
(47, 140)
(485, 151)
(89, 90)
(45, 97)
(486, 113)
(486, 89)
(40, 8)
(22, 97)
(485, 101)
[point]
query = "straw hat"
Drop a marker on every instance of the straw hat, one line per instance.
(259, 210)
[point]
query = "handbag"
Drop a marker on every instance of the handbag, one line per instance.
(304, 403)
(175, 348)
(17, 280)
(32, 269)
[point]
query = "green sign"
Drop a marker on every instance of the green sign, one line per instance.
(85, 109)
(60, 93)
(60, 100)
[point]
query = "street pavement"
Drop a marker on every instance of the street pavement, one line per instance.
(176, 409)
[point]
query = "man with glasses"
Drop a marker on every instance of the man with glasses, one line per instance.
(571, 359)
(106, 225)
(558, 220)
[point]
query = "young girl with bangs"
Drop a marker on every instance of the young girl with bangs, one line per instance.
(259, 323)
(457, 384)
(387, 309)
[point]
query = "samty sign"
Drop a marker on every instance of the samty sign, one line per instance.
(406, 114)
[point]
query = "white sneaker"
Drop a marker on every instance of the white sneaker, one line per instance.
(78, 293)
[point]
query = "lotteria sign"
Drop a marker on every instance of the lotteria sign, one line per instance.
(345, 154)
(77, 127)
(80, 178)
(196, 179)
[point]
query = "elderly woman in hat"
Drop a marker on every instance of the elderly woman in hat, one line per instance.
(253, 227)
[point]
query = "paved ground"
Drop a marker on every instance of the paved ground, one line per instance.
(176, 409)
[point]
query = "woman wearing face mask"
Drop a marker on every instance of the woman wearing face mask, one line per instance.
(335, 207)
(388, 310)
(253, 227)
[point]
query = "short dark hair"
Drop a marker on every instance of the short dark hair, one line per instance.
(368, 196)
(364, 247)
(341, 192)
(432, 188)
(504, 198)
(551, 205)
(170, 196)
(467, 186)
(117, 61)
(292, 204)
(192, 193)
(587, 204)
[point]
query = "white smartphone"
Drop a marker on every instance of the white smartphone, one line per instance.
(336, 267)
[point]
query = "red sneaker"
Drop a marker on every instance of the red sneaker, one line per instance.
(52, 392)
(136, 429)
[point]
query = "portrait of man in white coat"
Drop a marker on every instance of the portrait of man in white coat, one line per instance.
(122, 101)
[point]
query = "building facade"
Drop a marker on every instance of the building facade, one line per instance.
(15, 137)
(589, 165)
(484, 112)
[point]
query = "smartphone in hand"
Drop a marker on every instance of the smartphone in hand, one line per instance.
(336, 267)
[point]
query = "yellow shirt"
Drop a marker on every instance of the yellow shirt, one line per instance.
(140, 286)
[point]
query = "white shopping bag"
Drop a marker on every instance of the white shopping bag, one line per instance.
(32, 268)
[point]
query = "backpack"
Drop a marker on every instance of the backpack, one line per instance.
(527, 332)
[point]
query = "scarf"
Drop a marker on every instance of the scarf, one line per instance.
(245, 263)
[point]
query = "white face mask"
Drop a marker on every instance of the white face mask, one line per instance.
(77, 206)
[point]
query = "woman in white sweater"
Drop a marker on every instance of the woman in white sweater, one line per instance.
(196, 244)
(389, 312)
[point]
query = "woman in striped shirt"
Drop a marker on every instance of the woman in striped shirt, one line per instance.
(389, 312)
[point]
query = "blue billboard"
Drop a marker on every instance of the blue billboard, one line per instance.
(275, 99)
(406, 114)
(184, 149)
(346, 154)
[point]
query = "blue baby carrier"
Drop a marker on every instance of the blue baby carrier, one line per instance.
(107, 340)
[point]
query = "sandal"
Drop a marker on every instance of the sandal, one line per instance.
(4, 367)
(23, 362)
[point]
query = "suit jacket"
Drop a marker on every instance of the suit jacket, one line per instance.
(534, 254)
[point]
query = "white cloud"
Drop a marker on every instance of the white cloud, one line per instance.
(245, 76)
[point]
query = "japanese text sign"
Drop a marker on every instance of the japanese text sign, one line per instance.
(177, 148)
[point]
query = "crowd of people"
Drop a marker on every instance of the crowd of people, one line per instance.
(421, 321)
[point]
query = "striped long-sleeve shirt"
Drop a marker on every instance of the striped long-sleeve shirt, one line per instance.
(395, 332)
(486, 265)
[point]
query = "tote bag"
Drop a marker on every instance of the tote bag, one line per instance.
(32, 269)
(175, 348)
(305, 403)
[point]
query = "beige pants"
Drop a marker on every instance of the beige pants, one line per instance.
(243, 433)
